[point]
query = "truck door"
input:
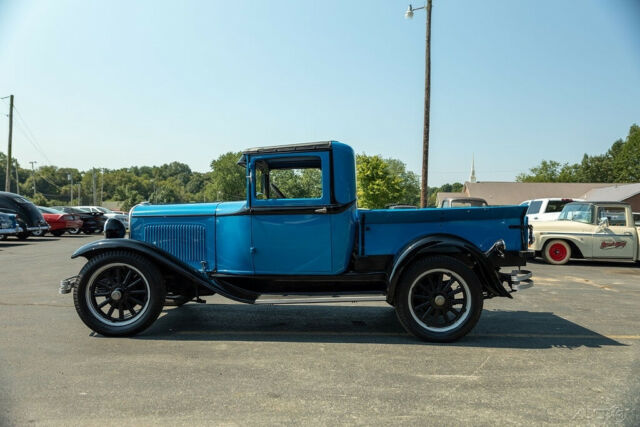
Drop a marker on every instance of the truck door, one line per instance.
(290, 227)
(618, 239)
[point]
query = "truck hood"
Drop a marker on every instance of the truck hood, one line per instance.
(191, 209)
(555, 226)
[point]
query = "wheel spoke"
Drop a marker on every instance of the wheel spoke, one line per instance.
(130, 308)
(105, 302)
(101, 294)
(126, 278)
(111, 310)
(427, 312)
(457, 301)
(132, 284)
(421, 306)
(137, 292)
(137, 301)
(121, 313)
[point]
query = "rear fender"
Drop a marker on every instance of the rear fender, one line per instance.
(166, 261)
(447, 245)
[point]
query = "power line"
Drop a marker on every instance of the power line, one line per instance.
(32, 139)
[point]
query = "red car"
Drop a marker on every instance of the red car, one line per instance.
(59, 221)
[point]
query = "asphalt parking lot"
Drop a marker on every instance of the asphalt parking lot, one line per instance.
(564, 352)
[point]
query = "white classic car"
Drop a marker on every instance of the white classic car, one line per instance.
(593, 230)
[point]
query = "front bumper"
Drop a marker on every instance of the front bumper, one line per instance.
(11, 231)
(39, 228)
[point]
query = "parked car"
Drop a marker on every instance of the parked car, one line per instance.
(458, 202)
(92, 222)
(8, 226)
(60, 221)
(435, 267)
(590, 230)
(546, 209)
(28, 216)
(636, 218)
(107, 213)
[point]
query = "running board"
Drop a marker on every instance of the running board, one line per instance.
(308, 299)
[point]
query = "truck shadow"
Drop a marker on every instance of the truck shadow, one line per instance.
(361, 324)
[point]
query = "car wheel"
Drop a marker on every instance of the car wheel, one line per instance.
(38, 233)
(57, 233)
(74, 231)
(25, 234)
(119, 293)
(439, 299)
(3, 237)
(556, 252)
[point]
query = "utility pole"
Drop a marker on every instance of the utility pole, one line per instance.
(33, 177)
(17, 183)
(93, 181)
(70, 178)
(427, 98)
(7, 181)
(102, 188)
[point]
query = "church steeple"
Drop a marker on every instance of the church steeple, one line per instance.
(472, 177)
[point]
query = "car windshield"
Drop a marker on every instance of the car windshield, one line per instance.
(104, 210)
(467, 202)
(580, 212)
(49, 210)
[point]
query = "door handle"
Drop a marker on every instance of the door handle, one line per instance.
(321, 210)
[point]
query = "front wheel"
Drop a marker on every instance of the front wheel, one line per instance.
(119, 293)
(557, 252)
(439, 299)
(74, 231)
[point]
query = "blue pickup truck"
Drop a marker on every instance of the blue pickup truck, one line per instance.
(285, 246)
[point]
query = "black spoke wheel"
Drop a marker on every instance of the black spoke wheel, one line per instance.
(439, 299)
(119, 293)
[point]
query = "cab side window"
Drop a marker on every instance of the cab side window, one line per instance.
(616, 216)
(289, 178)
(534, 207)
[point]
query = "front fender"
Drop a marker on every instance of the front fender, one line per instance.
(446, 245)
(168, 262)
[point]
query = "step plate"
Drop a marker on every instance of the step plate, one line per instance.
(309, 299)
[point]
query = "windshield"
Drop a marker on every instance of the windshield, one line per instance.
(49, 210)
(467, 202)
(580, 212)
(104, 210)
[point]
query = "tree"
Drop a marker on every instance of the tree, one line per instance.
(621, 163)
(376, 185)
(228, 180)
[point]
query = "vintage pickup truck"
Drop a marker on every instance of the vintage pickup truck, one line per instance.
(590, 230)
(280, 246)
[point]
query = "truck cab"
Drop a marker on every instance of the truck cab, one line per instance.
(299, 237)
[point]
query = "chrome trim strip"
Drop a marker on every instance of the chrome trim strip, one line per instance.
(42, 227)
(559, 233)
(10, 230)
(299, 299)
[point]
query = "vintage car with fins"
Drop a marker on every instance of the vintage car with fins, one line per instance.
(282, 245)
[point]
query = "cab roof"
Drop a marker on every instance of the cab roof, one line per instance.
(291, 148)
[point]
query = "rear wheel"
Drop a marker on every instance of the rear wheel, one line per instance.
(24, 234)
(439, 299)
(73, 230)
(38, 233)
(119, 294)
(557, 252)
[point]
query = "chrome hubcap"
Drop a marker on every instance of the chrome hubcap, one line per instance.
(116, 295)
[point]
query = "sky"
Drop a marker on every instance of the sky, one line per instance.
(122, 83)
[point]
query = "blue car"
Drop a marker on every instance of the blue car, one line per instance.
(9, 226)
(283, 245)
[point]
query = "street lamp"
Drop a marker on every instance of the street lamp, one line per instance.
(427, 90)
